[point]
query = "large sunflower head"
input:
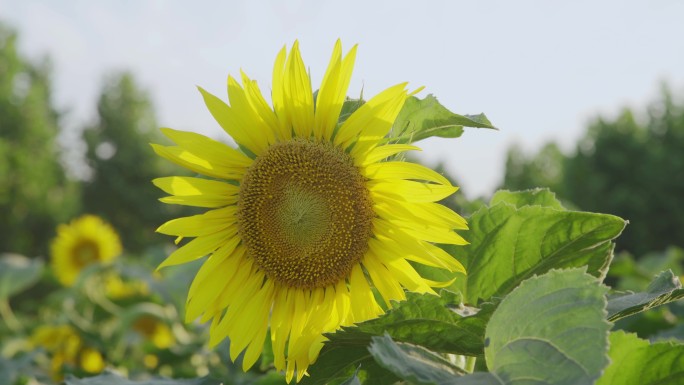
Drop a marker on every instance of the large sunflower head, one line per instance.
(86, 240)
(308, 217)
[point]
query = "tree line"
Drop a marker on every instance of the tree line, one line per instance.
(36, 193)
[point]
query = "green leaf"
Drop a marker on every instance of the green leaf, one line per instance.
(534, 197)
(550, 329)
(18, 273)
(412, 363)
(337, 362)
(509, 245)
(424, 118)
(109, 378)
(636, 361)
(423, 319)
(349, 107)
(12, 369)
(353, 380)
(665, 288)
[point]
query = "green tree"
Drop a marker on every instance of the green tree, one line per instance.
(624, 167)
(35, 194)
(543, 170)
(123, 163)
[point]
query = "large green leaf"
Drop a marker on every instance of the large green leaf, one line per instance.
(423, 319)
(413, 363)
(665, 288)
(509, 244)
(109, 378)
(550, 330)
(18, 273)
(424, 118)
(636, 361)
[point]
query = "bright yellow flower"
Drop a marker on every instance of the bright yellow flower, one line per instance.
(306, 216)
(66, 347)
(84, 241)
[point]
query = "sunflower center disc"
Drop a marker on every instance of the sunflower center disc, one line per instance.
(305, 214)
(85, 253)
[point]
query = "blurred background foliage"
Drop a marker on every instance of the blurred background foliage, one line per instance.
(628, 166)
(37, 191)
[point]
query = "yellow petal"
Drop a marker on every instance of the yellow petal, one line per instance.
(197, 163)
(387, 285)
(429, 213)
(211, 279)
(414, 249)
(298, 95)
(220, 153)
(377, 112)
(278, 95)
(250, 119)
(410, 191)
(383, 152)
(343, 303)
(363, 305)
(333, 91)
(401, 270)
(202, 224)
(260, 106)
(207, 201)
(185, 186)
(398, 268)
(299, 318)
(233, 288)
(199, 247)
(239, 305)
(281, 318)
(232, 124)
(250, 327)
(403, 170)
(377, 129)
(424, 232)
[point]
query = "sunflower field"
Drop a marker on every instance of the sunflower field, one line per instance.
(314, 251)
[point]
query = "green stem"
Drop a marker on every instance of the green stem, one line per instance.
(8, 315)
(470, 364)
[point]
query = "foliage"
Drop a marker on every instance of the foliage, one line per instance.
(636, 286)
(622, 166)
(35, 194)
(123, 164)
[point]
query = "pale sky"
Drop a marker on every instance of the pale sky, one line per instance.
(540, 70)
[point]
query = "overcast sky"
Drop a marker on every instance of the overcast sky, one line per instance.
(539, 69)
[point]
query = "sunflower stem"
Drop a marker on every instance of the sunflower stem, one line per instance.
(8, 316)
(470, 364)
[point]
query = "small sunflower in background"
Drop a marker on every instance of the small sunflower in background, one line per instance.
(84, 241)
(66, 349)
(306, 217)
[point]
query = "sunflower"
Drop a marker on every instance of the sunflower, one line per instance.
(84, 241)
(307, 216)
